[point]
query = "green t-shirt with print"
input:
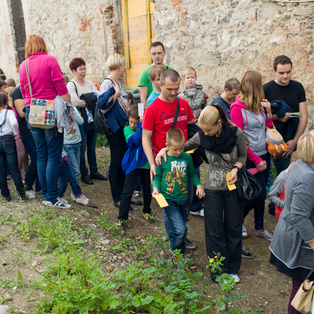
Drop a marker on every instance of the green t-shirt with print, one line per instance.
(171, 177)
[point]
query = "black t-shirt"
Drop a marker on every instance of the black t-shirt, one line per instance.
(292, 94)
(23, 127)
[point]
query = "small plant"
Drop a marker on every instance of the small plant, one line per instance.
(227, 284)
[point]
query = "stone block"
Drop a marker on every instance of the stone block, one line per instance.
(4, 309)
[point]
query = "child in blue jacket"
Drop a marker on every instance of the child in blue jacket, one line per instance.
(136, 166)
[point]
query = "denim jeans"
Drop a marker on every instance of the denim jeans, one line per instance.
(117, 145)
(49, 144)
(8, 154)
(65, 176)
(223, 216)
(73, 151)
(175, 216)
(129, 184)
(31, 172)
(89, 143)
(258, 203)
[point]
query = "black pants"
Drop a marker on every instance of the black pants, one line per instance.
(128, 188)
(223, 214)
(258, 203)
(117, 147)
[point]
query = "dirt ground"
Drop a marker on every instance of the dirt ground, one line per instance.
(267, 290)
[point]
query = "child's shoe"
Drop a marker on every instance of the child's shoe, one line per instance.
(82, 199)
(30, 194)
(148, 217)
(63, 200)
(263, 234)
(136, 194)
(7, 198)
(120, 225)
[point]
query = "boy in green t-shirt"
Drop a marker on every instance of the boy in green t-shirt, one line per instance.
(171, 181)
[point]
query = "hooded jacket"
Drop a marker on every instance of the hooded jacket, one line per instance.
(134, 156)
(251, 125)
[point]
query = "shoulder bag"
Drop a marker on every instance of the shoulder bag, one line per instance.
(86, 115)
(303, 298)
(42, 111)
(248, 187)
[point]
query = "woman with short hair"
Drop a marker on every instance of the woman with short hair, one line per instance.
(110, 90)
(292, 247)
(76, 87)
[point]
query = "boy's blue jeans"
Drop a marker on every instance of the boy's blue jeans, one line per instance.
(175, 216)
(70, 172)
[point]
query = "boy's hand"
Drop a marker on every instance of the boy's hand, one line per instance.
(200, 191)
(162, 154)
(155, 191)
(180, 95)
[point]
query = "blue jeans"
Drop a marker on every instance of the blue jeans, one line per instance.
(31, 172)
(73, 171)
(8, 154)
(89, 142)
(49, 144)
(175, 216)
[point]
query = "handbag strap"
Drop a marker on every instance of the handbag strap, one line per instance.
(28, 79)
(310, 273)
(4, 120)
(75, 88)
(177, 113)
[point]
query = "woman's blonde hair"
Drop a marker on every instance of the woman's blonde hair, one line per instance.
(210, 116)
(34, 44)
(306, 147)
(114, 61)
(252, 92)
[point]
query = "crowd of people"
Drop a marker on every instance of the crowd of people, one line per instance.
(165, 147)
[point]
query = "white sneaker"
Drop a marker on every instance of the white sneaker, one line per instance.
(244, 232)
(63, 200)
(30, 194)
(74, 197)
(198, 212)
(235, 277)
(82, 200)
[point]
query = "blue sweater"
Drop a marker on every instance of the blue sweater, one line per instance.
(116, 116)
(134, 156)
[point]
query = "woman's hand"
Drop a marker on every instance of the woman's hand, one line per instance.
(234, 176)
(155, 191)
(262, 165)
(200, 191)
(266, 104)
(162, 154)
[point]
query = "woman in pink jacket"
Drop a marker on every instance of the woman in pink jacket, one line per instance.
(252, 113)
(46, 82)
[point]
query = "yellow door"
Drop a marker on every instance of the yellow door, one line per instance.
(138, 32)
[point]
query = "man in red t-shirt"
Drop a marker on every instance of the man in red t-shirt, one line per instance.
(159, 116)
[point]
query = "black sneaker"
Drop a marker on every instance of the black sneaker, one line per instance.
(87, 180)
(98, 176)
(119, 224)
(7, 198)
(148, 217)
(189, 245)
(245, 252)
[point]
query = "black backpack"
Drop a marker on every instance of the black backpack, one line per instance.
(101, 123)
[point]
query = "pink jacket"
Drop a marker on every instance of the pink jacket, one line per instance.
(251, 126)
(46, 78)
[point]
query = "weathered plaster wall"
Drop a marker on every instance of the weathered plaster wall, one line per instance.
(73, 28)
(7, 64)
(222, 39)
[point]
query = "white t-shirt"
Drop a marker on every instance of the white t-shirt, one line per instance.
(10, 126)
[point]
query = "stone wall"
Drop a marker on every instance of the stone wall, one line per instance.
(73, 28)
(223, 39)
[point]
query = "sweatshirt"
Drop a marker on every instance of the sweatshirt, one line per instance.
(10, 126)
(76, 137)
(252, 127)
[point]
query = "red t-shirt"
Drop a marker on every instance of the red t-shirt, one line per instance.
(159, 117)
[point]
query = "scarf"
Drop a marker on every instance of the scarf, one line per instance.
(224, 143)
